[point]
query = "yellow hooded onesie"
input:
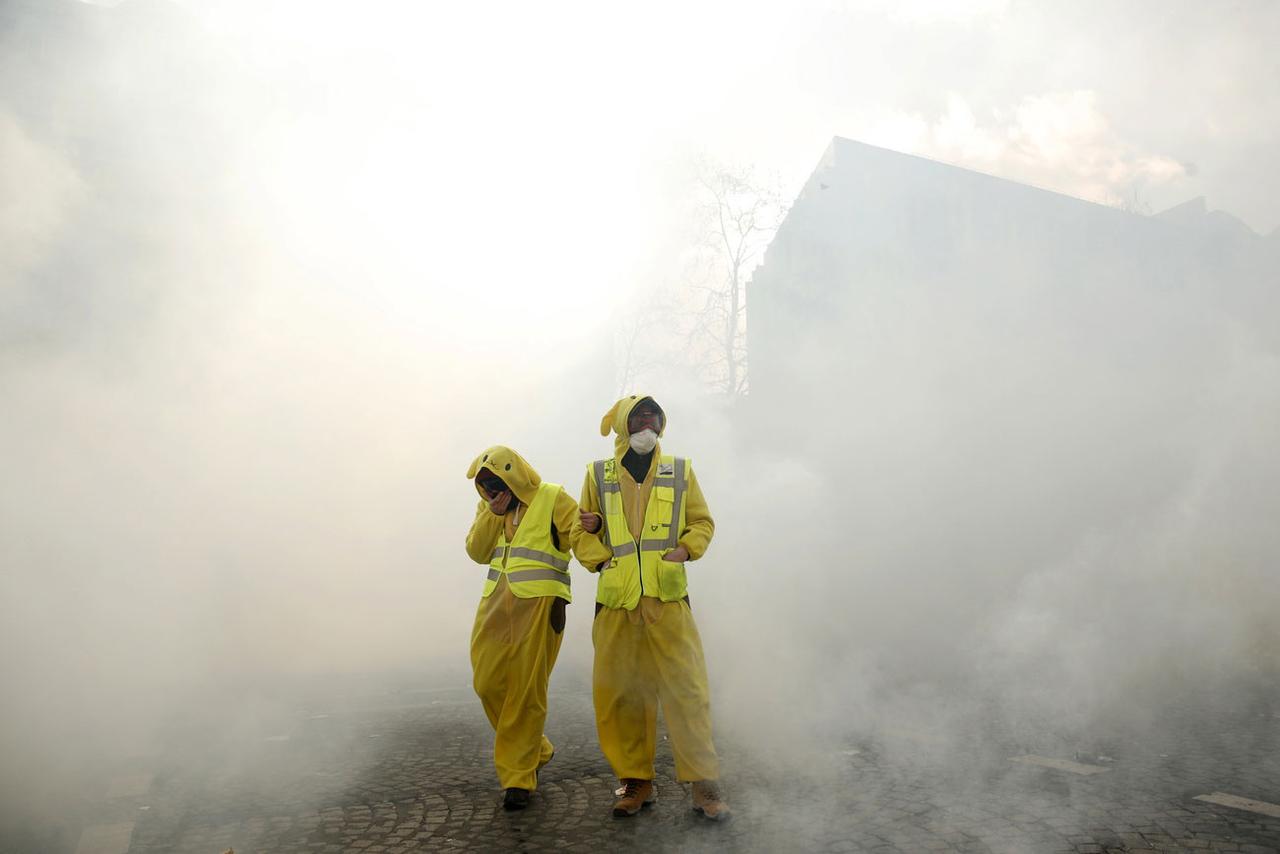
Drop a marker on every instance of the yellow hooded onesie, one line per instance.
(647, 652)
(516, 636)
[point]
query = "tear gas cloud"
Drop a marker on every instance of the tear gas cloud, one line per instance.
(272, 274)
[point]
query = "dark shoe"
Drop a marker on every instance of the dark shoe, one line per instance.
(707, 800)
(633, 796)
(515, 799)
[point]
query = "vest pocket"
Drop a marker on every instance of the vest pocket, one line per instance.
(658, 523)
(671, 580)
(609, 585)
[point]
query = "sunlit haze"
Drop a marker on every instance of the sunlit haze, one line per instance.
(990, 442)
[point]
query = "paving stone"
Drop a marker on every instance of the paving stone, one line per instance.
(427, 783)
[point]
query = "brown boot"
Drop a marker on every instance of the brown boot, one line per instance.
(633, 795)
(707, 800)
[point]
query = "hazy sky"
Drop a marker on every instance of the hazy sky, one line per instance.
(1182, 98)
(537, 155)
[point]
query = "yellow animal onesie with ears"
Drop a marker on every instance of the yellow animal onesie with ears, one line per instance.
(647, 648)
(520, 622)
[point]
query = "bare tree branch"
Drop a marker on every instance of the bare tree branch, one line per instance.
(740, 215)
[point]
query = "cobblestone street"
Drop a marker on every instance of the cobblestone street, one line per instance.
(411, 770)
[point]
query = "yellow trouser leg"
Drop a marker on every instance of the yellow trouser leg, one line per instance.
(513, 650)
(624, 694)
(676, 648)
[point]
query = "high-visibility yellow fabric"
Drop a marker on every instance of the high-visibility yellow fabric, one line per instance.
(513, 643)
(645, 658)
(637, 567)
(513, 650)
(644, 505)
(489, 532)
(534, 562)
(488, 527)
(638, 503)
(647, 652)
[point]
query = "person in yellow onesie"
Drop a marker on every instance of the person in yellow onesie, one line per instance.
(642, 516)
(521, 530)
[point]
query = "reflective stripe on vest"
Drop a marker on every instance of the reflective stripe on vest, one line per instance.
(644, 573)
(532, 562)
(543, 557)
(679, 483)
(603, 486)
(518, 575)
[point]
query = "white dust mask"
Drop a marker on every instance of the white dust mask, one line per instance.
(644, 441)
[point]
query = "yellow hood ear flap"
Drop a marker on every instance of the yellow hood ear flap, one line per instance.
(474, 469)
(606, 423)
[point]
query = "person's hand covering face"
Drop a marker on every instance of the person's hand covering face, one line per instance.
(496, 492)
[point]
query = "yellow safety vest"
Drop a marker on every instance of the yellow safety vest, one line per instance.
(637, 568)
(531, 562)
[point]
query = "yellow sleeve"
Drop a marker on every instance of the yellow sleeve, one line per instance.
(483, 536)
(698, 524)
(564, 516)
(588, 548)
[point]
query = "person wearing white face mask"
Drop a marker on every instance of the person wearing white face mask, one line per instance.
(642, 516)
(643, 442)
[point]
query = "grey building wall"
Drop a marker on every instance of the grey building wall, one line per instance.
(879, 242)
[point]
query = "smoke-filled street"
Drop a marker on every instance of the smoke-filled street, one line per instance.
(817, 425)
(404, 765)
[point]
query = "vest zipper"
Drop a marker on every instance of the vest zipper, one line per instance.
(636, 540)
